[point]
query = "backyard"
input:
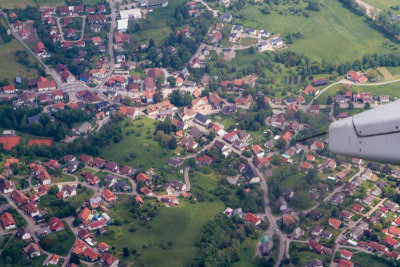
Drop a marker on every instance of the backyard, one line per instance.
(60, 242)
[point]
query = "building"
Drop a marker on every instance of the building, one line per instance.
(7, 221)
(150, 4)
(32, 250)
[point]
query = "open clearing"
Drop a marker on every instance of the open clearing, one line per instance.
(333, 34)
(147, 152)
(178, 226)
(9, 67)
(382, 4)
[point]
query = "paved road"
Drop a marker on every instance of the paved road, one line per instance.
(186, 176)
(62, 32)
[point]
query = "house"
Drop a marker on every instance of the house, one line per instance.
(112, 166)
(345, 254)
(85, 215)
(90, 254)
(31, 209)
(151, 4)
(108, 195)
(216, 37)
(358, 230)
(337, 198)
(68, 191)
(314, 263)
(349, 189)
(204, 160)
(356, 77)
(56, 224)
(141, 177)
(278, 120)
(7, 186)
(296, 234)
(310, 90)
(24, 234)
(139, 200)
(177, 185)
(366, 174)
(9, 89)
(98, 162)
(110, 180)
(315, 214)
(129, 112)
(257, 151)
(7, 221)
(32, 250)
(202, 119)
(53, 260)
(320, 82)
(391, 205)
(86, 159)
(345, 263)
(377, 191)
(357, 208)
(250, 217)
(316, 230)
(368, 200)
(392, 242)
(19, 197)
(67, 76)
(225, 18)
(109, 260)
(276, 42)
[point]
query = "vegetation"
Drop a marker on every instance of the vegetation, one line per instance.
(13, 255)
(60, 242)
(168, 237)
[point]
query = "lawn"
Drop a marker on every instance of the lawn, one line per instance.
(82, 195)
(156, 25)
(9, 67)
(18, 257)
(3, 240)
(147, 153)
(365, 259)
(178, 226)
(60, 242)
(64, 178)
(334, 34)
(304, 255)
(382, 4)
(247, 249)
(24, 3)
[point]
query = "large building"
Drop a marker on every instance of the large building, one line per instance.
(150, 4)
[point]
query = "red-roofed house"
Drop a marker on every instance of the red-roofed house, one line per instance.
(345, 254)
(139, 200)
(257, 151)
(109, 260)
(335, 223)
(394, 230)
(9, 89)
(345, 263)
(7, 221)
(19, 197)
(306, 165)
(102, 247)
(31, 209)
(204, 160)
(90, 254)
(250, 217)
(56, 224)
(85, 215)
(108, 195)
(310, 90)
(357, 208)
(53, 260)
(392, 242)
(310, 157)
(141, 177)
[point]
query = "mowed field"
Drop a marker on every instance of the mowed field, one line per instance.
(23, 3)
(178, 226)
(147, 152)
(334, 34)
(9, 67)
(383, 4)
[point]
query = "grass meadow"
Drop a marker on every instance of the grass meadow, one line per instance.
(334, 34)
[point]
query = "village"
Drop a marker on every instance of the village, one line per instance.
(313, 208)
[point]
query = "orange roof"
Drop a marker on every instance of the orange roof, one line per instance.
(250, 217)
(11, 161)
(256, 149)
(79, 246)
(85, 213)
(108, 195)
(394, 230)
(310, 157)
(9, 141)
(287, 136)
(306, 165)
(7, 219)
(102, 246)
(90, 253)
(39, 142)
(335, 223)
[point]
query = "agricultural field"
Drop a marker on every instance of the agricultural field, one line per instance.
(365, 259)
(138, 149)
(333, 34)
(64, 178)
(9, 67)
(169, 237)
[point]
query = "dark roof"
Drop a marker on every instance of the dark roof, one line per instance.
(196, 133)
(201, 118)
(34, 118)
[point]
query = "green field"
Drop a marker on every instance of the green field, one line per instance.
(391, 89)
(179, 226)
(156, 25)
(60, 242)
(382, 4)
(64, 178)
(148, 152)
(9, 67)
(13, 255)
(333, 34)
(365, 259)
(24, 3)
(4, 239)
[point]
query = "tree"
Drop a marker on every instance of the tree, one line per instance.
(126, 252)
(351, 106)
(367, 105)
(281, 144)
(172, 143)
(172, 81)
(314, 5)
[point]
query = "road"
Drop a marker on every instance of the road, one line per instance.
(186, 176)
(215, 12)
(62, 32)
